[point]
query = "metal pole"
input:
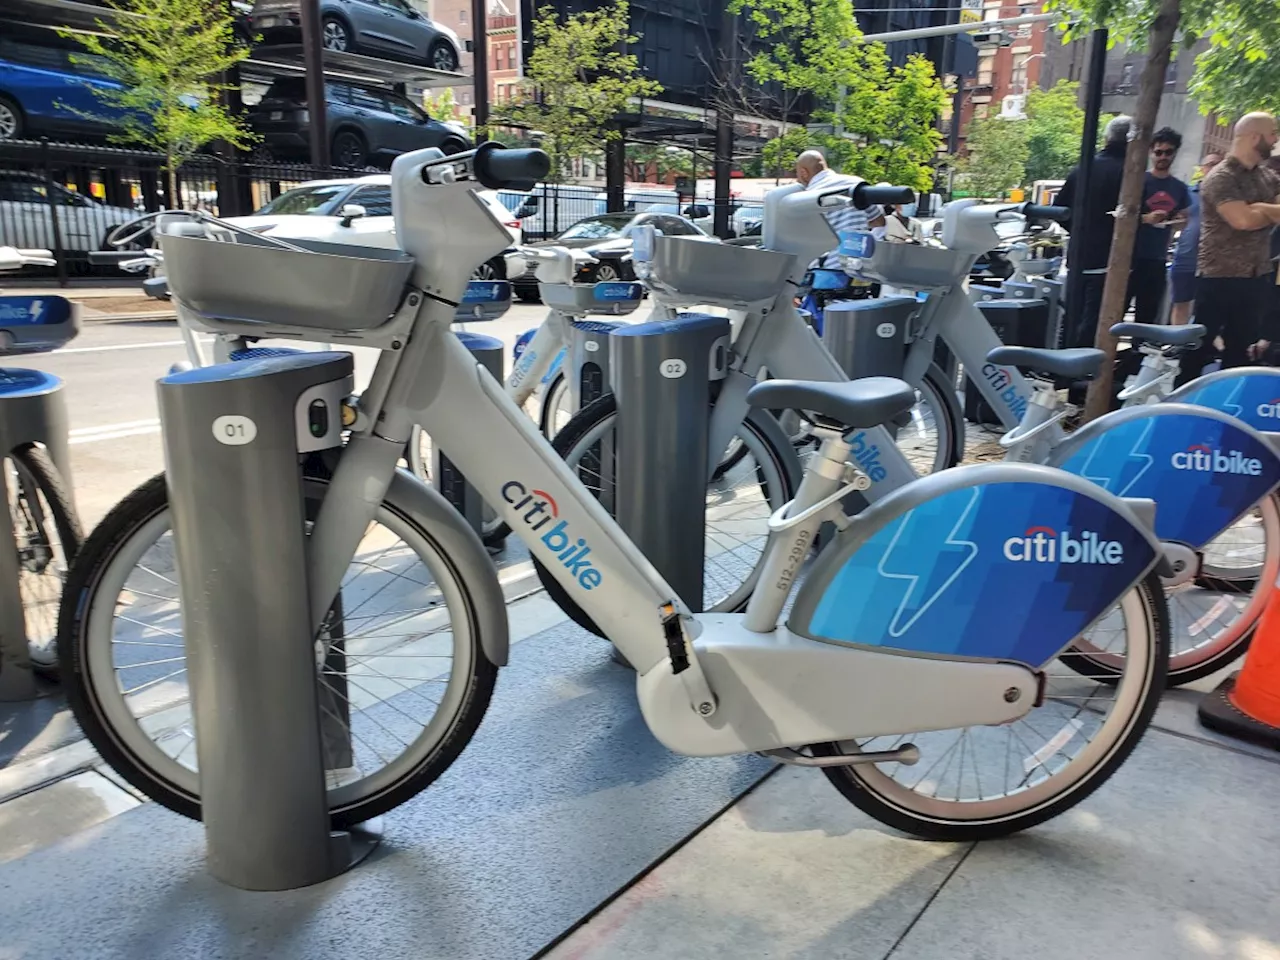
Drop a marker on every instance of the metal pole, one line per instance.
(986, 26)
(1088, 145)
(313, 57)
(724, 126)
(59, 256)
(615, 174)
(480, 63)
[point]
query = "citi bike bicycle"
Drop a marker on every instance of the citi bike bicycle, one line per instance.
(924, 666)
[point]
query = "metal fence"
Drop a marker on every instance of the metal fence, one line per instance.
(67, 198)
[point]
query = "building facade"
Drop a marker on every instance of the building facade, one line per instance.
(505, 55)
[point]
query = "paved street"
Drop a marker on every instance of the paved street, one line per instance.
(110, 372)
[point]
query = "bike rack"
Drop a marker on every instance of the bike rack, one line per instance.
(235, 435)
(448, 478)
(1023, 323)
(32, 410)
(662, 375)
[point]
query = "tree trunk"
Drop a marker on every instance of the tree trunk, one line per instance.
(1159, 49)
(171, 171)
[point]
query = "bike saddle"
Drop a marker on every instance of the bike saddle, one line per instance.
(857, 404)
(1185, 335)
(1077, 363)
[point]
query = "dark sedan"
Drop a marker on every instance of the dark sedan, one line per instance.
(606, 237)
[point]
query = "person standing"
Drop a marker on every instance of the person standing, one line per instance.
(1091, 226)
(1165, 200)
(1182, 276)
(1239, 207)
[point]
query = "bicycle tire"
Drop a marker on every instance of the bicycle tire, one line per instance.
(35, 467)
(595, 415)
(551, 397)
(864, 785)
(146, 506)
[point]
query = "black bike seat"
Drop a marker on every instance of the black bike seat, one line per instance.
(867, 402)
(1185, 335)
(1077, 363)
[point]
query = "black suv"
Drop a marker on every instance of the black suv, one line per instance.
(366, 125)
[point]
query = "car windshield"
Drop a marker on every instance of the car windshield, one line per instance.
(597, 228)
(315, 201)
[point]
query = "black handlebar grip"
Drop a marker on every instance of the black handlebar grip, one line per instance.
(499, 168)
(1037, 211)
(865, 195)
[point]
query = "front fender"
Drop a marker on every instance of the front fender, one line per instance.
(460, 547)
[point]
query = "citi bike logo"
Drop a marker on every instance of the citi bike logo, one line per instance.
(867, 456)
(1002, 381)
(1205, 459)
(540, 510)
(1046, 545)
(1270, 410)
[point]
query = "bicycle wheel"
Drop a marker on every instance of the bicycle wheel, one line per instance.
(926, 435)
(739, 502)
(1212, 618)
(401, 673)
(557, 407)
(493, 532)
(47, 533)
(976, 783)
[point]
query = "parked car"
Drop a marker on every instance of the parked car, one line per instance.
(45, 93)
(26, 215)
(366, 125)
(393, 29)
(608, 238)
(358, 211)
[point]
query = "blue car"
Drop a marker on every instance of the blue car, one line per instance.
(47, 92)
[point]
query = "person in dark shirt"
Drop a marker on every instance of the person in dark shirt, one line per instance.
(1091, 225)
(1165, 200)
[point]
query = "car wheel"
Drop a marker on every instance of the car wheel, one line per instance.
(348, 149)
(494, 269)
(10, 119)
(605, 272)
(336, 35)
(442, 56)
(450, 147)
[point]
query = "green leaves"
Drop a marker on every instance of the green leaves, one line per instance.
(997, 156)
(884, 118)
(166, 54)
(578, 80)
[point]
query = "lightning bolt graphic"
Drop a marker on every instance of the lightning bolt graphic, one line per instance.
(36, 308)
(1104, 478)
(967, 547)
(1229, 404)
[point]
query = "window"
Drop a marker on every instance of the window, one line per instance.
(337, 93)
(466, 96)
(22, 190)
(462, 16)
(367, 100)
(405, 110)
(375, 200)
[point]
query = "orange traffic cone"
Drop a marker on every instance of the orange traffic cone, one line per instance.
(1247, 703)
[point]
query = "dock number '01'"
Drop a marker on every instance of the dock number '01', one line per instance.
(234, 431)
(673, 369)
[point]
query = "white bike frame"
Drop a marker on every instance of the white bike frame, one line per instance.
(773, 689)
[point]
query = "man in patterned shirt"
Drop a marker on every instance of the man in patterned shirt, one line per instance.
(814, 174)
(1239, 207)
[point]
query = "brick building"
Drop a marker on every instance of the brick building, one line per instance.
(504, 49)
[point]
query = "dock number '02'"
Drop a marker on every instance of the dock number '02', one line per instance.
(673, 369)
(234, 431)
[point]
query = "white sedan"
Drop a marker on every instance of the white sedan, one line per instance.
(356, 211)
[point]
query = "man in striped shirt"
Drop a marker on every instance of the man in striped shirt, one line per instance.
(814, 174)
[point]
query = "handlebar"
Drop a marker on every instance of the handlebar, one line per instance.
(865, 195)
(500, 168)
(1036, 211)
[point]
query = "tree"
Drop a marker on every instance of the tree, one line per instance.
(997, 156)
(1140, 23)
(167, 55)
(1240, 72)
(442, 105)
(577, 82)
(882, 119)
(1055, 124)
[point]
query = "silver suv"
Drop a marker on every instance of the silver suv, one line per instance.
(393, 29)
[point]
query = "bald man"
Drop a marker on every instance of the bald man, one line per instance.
(1239, 207)
(814, 174)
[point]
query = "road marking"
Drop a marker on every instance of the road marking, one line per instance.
(114, 431)
(121, 346)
